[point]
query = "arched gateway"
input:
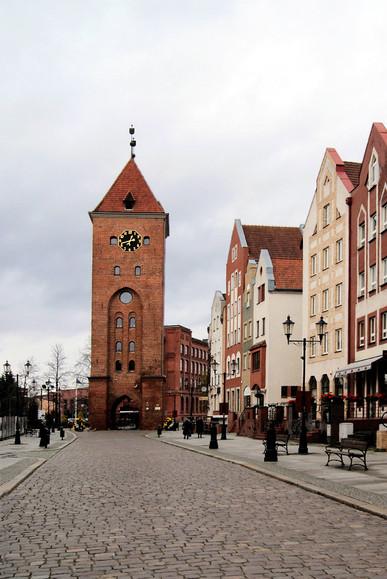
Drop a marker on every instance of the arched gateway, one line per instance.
(123, 415)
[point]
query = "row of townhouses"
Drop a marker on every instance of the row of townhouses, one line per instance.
(334, 269)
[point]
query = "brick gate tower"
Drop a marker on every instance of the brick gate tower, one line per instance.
(126, 384)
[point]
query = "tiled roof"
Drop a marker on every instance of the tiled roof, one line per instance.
(131, 181)
(287, 273)
(353, 172)
(281, 242)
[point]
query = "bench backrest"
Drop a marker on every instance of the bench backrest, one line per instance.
(355, 444)
(283, 437)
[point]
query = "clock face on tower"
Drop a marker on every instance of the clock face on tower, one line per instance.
(129, 240)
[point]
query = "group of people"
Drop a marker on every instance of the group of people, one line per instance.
(189, 427)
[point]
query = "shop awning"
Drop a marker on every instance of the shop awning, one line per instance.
(355, 367)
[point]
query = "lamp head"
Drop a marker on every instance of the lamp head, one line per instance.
(288, 326)
(321, 325)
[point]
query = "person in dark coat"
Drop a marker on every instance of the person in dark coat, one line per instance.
(199, 427)
(187, 429)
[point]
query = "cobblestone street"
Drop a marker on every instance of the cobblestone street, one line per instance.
(116, 504)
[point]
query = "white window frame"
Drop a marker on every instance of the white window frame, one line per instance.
(313, 304)
(326, 215)
(384, 270)
(314, 264)
(360, 329)
(326, 257)
(339, 340)
(312, 347)
(361, 234)
(372, 329)
(373, 225)
(384, 217)
(361, 282)
(325, 344)
(384, 325)
(372, 278)
(374, 171)
(339, 294)
(325, 300)
(339, 250)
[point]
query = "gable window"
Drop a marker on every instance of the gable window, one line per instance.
(373, 225)
(339, 250)
(129, 201)
(361, 234)
(326, 258)
(326, 215)
(373, 177)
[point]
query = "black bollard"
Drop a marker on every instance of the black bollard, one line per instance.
(271, 447)
(62, 434)
(159, 430)
(213, 441)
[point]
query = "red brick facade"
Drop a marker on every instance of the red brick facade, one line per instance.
(127, 376)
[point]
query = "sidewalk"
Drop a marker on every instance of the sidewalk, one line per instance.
(359, 488)
(18, 461)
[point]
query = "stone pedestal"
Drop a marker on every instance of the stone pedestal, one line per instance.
(381, 440)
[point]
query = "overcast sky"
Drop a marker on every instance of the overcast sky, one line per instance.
(234, 103)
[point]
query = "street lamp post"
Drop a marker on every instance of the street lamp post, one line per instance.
(214, 366)
(288, 326)
(47, 387)
(170, 393)
(7, 370)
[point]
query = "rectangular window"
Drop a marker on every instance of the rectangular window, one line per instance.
(257, 329)
(384, 270)
(373, 221)
(339, 250)
(293, 391)
(360, 332)
(284, 391)
(256, 361)
(313, 305)
(312, 347)
(361, 235)
(384, 325)
(326, 215)
(384, 217)
(314, 264)
(361, 291)
(250, 326)
(326, 258)
(372, 329)
(325, 300)
(245, 331)
(263, 326)
(339, 340)
(325, 343)
(339, 294)
(247, 299)
(372, 278)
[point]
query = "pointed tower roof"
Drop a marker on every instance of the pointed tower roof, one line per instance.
(129, 193)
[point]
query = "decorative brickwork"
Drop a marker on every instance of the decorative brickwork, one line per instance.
(127, 375)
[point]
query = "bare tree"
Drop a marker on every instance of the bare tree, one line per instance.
(57, 371)
(83, 364)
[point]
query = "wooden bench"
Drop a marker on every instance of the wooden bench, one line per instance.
(281, 442)
(353, 449)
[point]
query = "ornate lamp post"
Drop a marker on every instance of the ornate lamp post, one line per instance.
(288, 326)
(7, 370)
(214, 366)
(47, 387)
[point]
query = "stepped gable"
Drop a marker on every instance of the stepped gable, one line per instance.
(281, 242)
(130, 182)
(353, 172)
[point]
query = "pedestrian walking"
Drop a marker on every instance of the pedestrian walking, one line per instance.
(199, 427)
(187, 428)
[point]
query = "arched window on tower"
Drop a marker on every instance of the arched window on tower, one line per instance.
(131, 346)
(117, 270)
(132, 322)
(118, 366)
(118, 346)
(137, 270)
(146, 240)
(118, 322)
(131, 365)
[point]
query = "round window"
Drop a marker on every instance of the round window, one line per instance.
(125, 297)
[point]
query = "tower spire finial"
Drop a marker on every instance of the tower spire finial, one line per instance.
(132, 141)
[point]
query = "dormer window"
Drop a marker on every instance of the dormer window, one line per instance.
(129, 201)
